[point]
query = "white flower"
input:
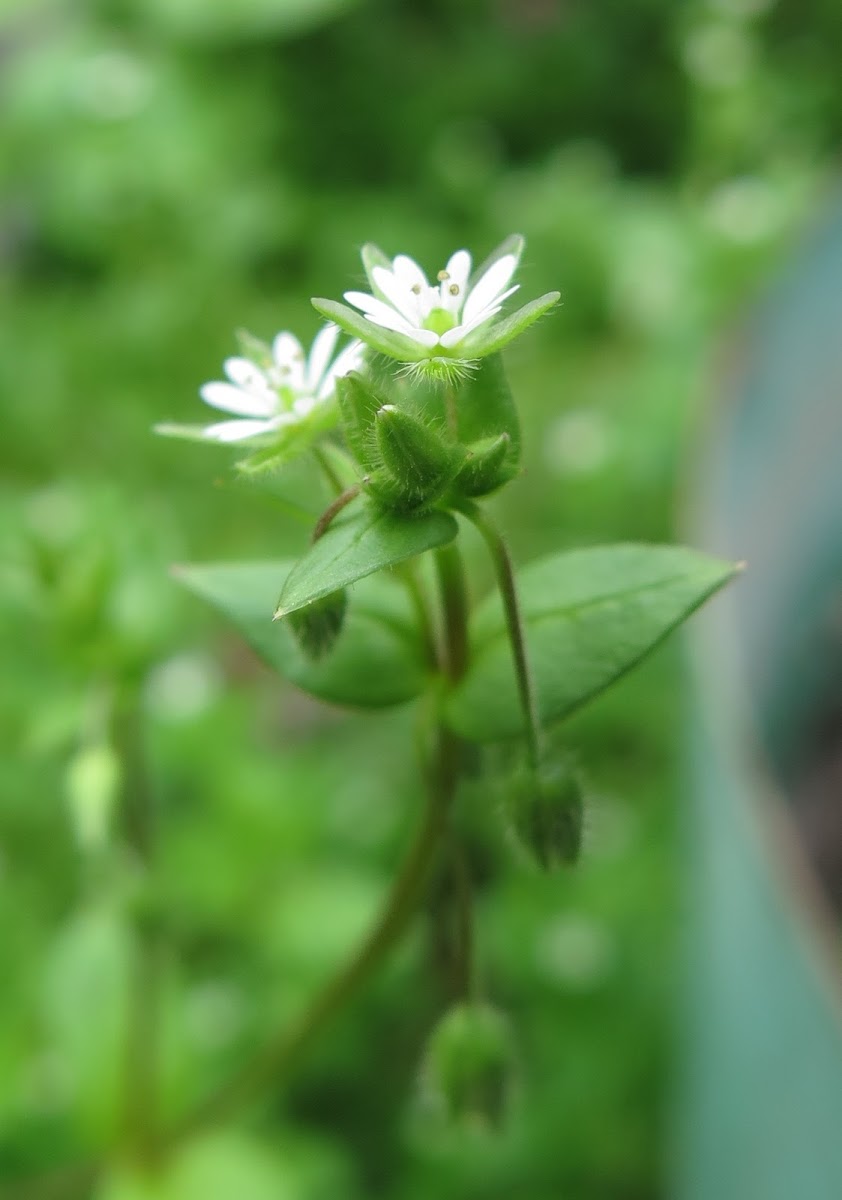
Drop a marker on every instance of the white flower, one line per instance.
(440, 328)
(438, 316)
(283, 389)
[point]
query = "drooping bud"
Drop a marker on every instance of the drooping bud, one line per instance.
(420, 464)
(317, 626)
(486, 467)
(546, 808)
(469, 1066)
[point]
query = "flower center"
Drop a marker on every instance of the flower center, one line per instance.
(439, 320)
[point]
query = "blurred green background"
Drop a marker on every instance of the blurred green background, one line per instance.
(172, 170)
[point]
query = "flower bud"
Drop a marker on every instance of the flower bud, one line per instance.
(317, 626)
(469, 1065)
(358, 407)
(546, 808)
(418, 462)
(486, 467)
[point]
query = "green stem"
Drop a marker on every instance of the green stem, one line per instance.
(402, 902)
(454, 597)
(506, 582)
(418, 599)
(140, 1105)
(333, 510)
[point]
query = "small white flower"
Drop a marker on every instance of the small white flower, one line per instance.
(436, 316)
(443, 328)
(283, 389)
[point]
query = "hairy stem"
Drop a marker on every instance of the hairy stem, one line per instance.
(506, 582)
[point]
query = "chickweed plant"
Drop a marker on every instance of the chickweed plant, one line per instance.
(412, 425)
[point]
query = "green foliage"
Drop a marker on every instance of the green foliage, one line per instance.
(377, 662)
(171, 171)
(590, 616)
(358, 544)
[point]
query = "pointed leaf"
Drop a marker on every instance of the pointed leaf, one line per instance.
(365, 541)
(491, 339)
(590, 616)
(377, 661)
(385, 341)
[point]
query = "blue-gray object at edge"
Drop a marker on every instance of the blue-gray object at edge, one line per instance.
(761, 1100)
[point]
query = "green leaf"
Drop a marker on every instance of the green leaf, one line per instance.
(485, 409)
(384, 341)
(377, 661)
(490, 339)
(358, 545)
(590, 616)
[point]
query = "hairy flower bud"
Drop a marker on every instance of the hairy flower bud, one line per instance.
(358, 406)
(317, 626)
(419, 463)
(469, 1065)
(485, 468)
(546, 809)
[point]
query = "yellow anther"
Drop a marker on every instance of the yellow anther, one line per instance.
(416, 289)
(442, 275)
(454, 289)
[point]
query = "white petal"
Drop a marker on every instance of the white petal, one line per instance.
(303, 405)
(244, 373)
(378, 311)
(424, 337)
(399, 294)
(320, 353)
(236, 431)
(454, 286)
(458, 332)
(408, 272)
(489, 286)
(350, 359)
(289, 358)
(236, 400)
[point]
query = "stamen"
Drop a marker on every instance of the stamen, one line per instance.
(416, 289)
(454, 289)
(442, 275)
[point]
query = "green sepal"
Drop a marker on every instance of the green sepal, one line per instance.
(384, 341)
(317, 626)
(487, 467)
(489, 339)
(372, 257)
(254, 349)
(421, 464)
(513, 244)
(485, 408)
